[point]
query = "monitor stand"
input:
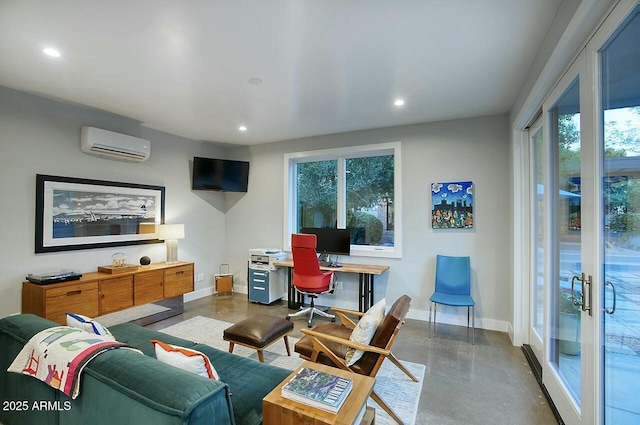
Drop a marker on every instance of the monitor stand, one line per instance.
(325, 261)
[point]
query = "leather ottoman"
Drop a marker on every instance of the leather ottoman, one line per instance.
(259, 332)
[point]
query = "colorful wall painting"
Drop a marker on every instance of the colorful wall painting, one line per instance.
(452, 205)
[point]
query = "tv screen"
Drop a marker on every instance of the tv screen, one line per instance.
(220, 174)
(331, 241)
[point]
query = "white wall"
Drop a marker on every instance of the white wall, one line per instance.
(42, 136)
(461, 150)
(39, 135)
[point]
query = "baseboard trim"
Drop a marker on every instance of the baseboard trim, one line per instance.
(422, 315)
(200, 293)
(206, 292)
(536, 368)
(460, 320)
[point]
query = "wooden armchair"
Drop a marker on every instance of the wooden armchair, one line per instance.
(327, 343)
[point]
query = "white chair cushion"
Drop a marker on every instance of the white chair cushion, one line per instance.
(365, 329)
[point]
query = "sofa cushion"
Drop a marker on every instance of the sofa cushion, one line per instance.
(15, 331)
(249, 382)
(121, 384)
(139, 337)
(22, 327)
(185, 358)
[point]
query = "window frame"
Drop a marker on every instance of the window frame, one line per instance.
(341, 155)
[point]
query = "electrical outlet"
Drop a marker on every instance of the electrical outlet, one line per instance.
(200, 277)
(338, 285)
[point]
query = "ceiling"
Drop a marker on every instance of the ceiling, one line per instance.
(325, 66)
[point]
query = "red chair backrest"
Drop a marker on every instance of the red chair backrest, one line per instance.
(307, 275)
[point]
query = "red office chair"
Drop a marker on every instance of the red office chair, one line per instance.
(308, 279)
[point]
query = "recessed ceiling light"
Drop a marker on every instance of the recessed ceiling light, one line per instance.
(255, 80)
(50, 51)
(242, 128)
(399, 102)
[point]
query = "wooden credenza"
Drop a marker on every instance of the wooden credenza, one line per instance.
(97, 293)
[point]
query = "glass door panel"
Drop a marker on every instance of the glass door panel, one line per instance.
(620, 109)
(536, 331)
(565, 345)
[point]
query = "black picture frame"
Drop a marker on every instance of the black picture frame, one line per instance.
(75, 213)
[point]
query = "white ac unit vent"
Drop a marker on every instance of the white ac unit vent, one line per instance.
(96, 141)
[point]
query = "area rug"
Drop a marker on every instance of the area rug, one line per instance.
(130, 314)
(393, 386)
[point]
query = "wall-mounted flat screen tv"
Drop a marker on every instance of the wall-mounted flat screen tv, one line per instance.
(220, 174)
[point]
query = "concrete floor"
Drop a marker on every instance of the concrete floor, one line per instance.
(486, 383)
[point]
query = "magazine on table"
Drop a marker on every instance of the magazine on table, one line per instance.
(318, 389)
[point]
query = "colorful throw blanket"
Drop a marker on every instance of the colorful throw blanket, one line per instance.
(58, 355)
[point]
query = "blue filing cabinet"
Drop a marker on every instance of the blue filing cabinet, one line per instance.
(265, 286)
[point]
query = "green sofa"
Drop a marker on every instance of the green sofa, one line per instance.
(122, 386)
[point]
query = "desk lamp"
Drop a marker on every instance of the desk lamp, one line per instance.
(170, 233)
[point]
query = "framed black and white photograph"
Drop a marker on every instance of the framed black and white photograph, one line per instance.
(74, 214)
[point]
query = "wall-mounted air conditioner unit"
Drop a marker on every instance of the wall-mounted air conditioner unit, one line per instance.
(95, 141)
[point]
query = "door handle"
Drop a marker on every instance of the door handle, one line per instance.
(613, 308)
(573, 294)
(585, 301)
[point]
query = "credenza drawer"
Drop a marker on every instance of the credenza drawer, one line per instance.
(71, 289)
(80, 299)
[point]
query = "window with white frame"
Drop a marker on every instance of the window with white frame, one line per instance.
(357, 188)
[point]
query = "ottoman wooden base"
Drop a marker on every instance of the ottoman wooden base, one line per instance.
(259, 332)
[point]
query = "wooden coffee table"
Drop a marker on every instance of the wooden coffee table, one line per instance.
(277, 410)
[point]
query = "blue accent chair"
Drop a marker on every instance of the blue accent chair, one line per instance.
(453, 287)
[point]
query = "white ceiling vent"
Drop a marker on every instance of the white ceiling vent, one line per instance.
(95, 141)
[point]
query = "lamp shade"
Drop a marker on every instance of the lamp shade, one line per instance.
(171, 231)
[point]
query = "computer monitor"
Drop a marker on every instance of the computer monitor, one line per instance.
(331, 241)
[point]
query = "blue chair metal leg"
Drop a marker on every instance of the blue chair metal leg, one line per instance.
(435, 311)
(429, 328)
(473, 321)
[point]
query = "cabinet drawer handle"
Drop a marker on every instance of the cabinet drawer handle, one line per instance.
(78, 292)
(259, 288)
(258, 280)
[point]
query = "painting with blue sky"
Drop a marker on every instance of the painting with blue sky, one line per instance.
(452, 205)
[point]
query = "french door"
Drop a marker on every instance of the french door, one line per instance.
(618, 114)
(566, 342)
(586, 229)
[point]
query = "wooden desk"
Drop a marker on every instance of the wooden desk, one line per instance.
(277, 410)
(366, 274)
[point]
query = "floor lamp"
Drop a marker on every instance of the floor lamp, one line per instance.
(170, 233)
